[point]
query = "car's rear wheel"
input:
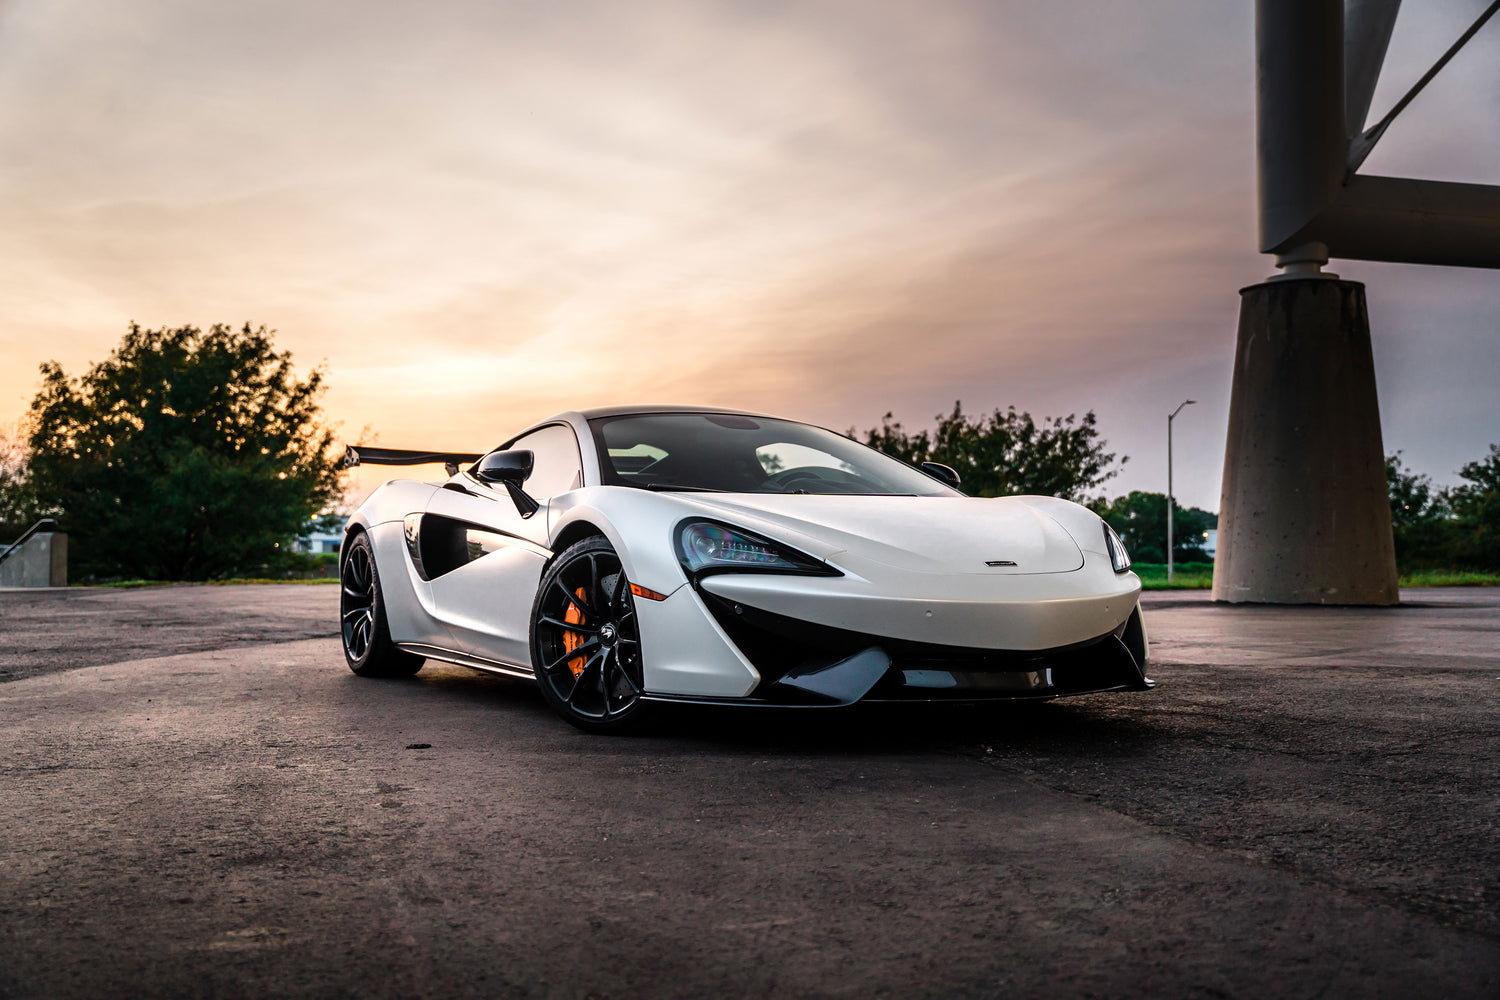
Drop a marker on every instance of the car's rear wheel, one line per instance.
(368, 648)
(585, 640)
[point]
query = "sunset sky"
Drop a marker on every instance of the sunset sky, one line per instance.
(479, 213)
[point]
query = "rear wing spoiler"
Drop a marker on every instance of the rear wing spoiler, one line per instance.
(358, 454)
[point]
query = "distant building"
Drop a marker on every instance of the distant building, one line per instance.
(318, 541)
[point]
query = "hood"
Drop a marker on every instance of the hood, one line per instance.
(913, 534)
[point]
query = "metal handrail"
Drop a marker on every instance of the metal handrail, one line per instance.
(45, 524)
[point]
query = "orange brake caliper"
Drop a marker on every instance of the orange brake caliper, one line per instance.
(572, 640)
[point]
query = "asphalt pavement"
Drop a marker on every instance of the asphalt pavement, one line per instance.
(198, 799)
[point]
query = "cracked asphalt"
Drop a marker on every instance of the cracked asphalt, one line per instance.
(198, 799)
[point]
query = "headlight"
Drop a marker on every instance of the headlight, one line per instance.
(706, 546)
(1118, 557)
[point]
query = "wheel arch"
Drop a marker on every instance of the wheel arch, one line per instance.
(576, 531)
(636, 523)
(355, 527)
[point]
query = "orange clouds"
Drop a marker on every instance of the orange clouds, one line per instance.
(481, 213)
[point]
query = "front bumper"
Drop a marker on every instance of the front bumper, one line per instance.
(800, 663)
(981, 611)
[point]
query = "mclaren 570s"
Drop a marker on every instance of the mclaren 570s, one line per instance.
(630, 557)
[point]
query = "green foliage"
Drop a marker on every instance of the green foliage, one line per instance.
(186, 455)
(1140, 519)
(1420, 519)
(1453, 529)
(1476, 512)
(1200, 576)
(1007, 452)
(1450, 578)
(1185, 576)
(18, 504)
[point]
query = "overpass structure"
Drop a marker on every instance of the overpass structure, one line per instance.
(1304, 516)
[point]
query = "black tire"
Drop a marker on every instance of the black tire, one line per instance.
(368, 648)
(585, 644)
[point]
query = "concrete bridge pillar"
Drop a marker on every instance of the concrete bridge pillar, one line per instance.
(1304, 516)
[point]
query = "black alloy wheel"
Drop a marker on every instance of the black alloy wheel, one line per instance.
(585, 640)
(368, 648)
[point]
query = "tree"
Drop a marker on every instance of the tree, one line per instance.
(1140, 519)
(1007, 452)
(1420, 518)
(18, 506)
(186, 455)
(1446, 529)
(1476, 512)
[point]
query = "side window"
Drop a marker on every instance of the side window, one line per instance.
(557, 467)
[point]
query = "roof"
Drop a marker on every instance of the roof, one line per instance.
(626, 411)
(621, 411)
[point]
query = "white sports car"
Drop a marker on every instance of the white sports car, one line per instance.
(636, 555)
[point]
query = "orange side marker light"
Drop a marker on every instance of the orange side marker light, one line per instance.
(649, 595)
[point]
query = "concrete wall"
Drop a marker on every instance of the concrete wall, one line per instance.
(42, 561)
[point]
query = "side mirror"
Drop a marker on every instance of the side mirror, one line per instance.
(509, 469)
(505, 467)
(944, 474)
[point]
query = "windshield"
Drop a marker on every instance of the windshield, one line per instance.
(725, 452)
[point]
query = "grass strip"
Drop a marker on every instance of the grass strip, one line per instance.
(1188, 576)
(1450, 578)
(1200, 576)
(133, 584)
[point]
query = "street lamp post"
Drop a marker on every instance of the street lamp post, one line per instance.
(1170, 502)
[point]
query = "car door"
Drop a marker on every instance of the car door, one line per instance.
(493, 557)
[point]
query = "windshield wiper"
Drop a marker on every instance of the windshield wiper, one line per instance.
(677, 488)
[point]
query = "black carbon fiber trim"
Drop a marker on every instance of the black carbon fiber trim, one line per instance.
(779, 646)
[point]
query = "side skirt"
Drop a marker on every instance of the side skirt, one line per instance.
(467, 660)
(748, 702)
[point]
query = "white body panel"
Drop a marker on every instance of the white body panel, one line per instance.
(408, 598)
(690, 655)
(914, 568)
(1000, 613)
(930, 535)
(486, 605)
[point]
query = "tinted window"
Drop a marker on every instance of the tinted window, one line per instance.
(738, 454)
(557, 467)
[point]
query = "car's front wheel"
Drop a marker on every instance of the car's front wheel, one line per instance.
(585, 640)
